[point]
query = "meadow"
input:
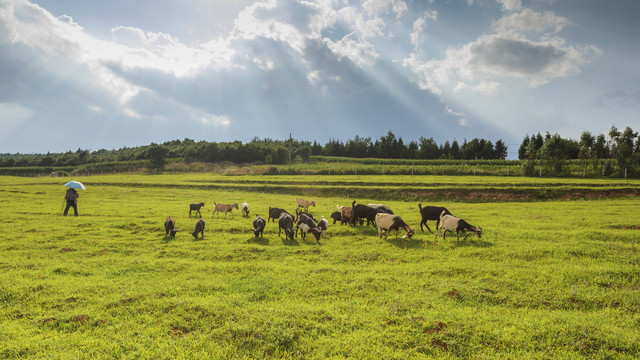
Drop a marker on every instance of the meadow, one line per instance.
(556, 275)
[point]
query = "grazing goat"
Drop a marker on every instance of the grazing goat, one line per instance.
(323, 224)
(258, 225)
(336, 217)
(274, 213)
(245, 209)
(307, 225)
(346, 213)
(300, 213)
(361, 212)
(225, 208)
(170, 227)
(391, 222)
(457, 225)
(285, 221)
(196, 208)
(305, 204)
(431, 213)
(199, 229)
(382, 208)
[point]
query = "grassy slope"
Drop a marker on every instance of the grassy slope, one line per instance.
(557, 279)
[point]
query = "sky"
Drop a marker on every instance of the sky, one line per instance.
(112, 74)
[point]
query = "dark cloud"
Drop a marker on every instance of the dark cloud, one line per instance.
(515, 56)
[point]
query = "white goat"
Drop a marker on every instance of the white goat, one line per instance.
(390, 222)
(457, 225)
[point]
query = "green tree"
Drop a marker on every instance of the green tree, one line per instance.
(500, 150)
(156, 154)
(524, 146)
(428, 148)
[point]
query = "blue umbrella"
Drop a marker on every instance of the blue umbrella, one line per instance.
(75, 185)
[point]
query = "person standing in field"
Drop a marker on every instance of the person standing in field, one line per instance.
(72, 200)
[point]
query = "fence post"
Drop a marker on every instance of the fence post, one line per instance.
(625, 173)
(540, 172)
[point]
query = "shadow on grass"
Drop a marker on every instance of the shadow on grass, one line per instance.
(168, 238)
(475, 242)
(405, 243)
(290, 242)
(258, 241)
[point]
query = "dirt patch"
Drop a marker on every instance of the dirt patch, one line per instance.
(66, 250)
(48, 320)
(436, 328)
(101, 252)
(179, 331)
(625, 227)
(454, 294)
(124, 301)
(490, 195)
(439, 344)
(501, 196)
(80, 318)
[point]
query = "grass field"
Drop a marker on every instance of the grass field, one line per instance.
(549, 279)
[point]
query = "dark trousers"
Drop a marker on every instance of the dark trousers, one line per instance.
(71, 203)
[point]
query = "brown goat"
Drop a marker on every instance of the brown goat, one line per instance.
(225, 208)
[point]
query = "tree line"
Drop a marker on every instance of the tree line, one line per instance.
(390, 147)
(266, 151)
(617, 153)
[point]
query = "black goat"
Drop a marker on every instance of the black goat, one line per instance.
(170, 227)
(285, 221)
(363, 212)
(431, 213)
(274, 213)
(336, 216)
(196, 208)
(199, 229)
(258, 225)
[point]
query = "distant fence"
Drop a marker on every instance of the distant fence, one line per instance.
(318, 168)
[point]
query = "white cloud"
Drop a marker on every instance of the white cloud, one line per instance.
(483, 64)
(529, 20)
(96, 109)
(511, 5)
(378, 7)
(356, 49)
(417, 35)
(215, 120)
(132, 114)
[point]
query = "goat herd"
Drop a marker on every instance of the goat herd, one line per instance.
(379, 215)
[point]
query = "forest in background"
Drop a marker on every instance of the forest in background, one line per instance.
(615, 154)
(268, 151)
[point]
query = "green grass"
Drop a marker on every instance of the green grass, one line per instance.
(548, 279)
